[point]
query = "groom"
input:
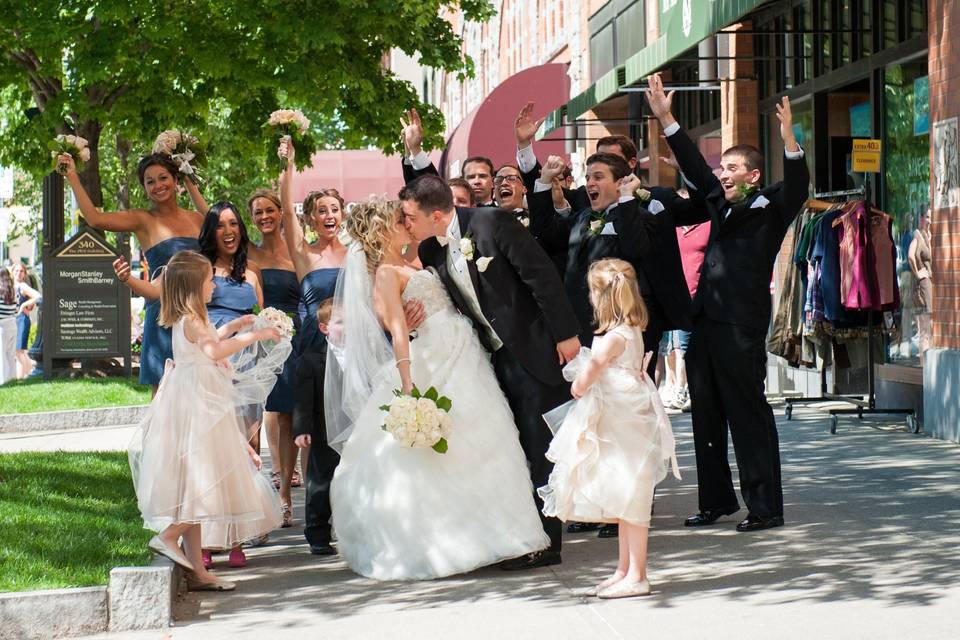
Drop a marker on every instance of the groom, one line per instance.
(500, 278)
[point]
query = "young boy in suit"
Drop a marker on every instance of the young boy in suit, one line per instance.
(310, 431)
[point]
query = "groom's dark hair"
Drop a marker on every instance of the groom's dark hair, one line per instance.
(618, 166)
(430, 192)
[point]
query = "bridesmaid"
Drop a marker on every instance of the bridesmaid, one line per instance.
(162, 230)
(281, 290)
(317, 265)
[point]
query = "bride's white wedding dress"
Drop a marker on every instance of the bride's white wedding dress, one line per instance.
(411, 513)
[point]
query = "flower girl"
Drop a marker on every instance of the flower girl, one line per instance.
(195, 475)
(614, 443)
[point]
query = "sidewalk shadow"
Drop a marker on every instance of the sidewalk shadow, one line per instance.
(873, 513)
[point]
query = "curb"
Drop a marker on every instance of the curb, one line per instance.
(137, 598)
(74, 419)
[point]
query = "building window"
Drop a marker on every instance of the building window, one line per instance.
(617, 31)
(602, 57)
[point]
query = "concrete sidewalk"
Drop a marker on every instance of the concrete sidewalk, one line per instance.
(871, 549)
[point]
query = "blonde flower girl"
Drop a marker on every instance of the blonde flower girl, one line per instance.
(615, 443)
(195, 476)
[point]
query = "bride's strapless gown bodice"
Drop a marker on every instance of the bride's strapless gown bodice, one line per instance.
(410, 513)
(426, 287)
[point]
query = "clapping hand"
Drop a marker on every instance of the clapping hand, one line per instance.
(552, 169)
(661, 103)
(412, 132)
(785, 115)
(525, 127)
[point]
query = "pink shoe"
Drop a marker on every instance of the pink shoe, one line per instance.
(207, 559)
(237, 559)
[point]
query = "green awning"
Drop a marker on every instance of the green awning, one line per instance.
(683, 24)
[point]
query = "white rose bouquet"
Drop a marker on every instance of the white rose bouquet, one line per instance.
(293, 125)
(419, 420)
(279, 320)
(185, 150)
(76, 146)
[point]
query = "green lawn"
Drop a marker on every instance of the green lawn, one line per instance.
(66, 519)
(33, 394)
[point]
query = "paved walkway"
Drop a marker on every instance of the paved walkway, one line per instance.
(871, 550)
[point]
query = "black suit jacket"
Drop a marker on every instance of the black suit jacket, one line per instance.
(520, 293)
(308, 416)
(735, 279)
(410, 174)
(634, 228)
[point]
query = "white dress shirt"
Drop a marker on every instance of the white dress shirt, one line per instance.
(457, 266)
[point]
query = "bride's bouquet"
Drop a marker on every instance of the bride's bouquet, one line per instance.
(295, 127)
(185, 150)
(419, 420)
(279, 320)
(75, 146)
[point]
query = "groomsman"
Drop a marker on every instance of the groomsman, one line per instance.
(726, 357)
(659, 269)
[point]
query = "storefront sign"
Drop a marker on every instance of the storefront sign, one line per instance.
(866, 156)
(88, 306)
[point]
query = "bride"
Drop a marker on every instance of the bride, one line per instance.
(411, 513)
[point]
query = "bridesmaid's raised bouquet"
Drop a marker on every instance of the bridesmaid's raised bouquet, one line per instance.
(295, 127)
(185, 150)
(75, 146)
(419, 420)
(279, 320)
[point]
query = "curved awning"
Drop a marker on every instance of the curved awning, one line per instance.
(488, 129)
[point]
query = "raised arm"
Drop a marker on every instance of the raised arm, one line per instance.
(147, 289)
(635, 226)
(415, 163)
(692, 164)
(128, 221)
(292, 232)
(550, 229)
(796, 174)
(386, 299)
(196, 197)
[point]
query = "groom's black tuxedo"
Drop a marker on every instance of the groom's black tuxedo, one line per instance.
(522, 297)
(726, 359)
(520, 293)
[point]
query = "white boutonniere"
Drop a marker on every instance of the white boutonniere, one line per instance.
(596, 226)
(524, 220)
(483, 263)
(467, 247)
(643, 195)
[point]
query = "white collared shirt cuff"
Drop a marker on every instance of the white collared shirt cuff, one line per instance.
(420, 161)
(541, 186)
(794, 155)
(626, 199)
(526, 159)
(564, 210)
(672, 129)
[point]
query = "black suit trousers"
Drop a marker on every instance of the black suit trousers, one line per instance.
(316, 509)
(529, 399)
(726, 368)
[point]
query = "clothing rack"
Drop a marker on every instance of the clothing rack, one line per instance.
(863, 404)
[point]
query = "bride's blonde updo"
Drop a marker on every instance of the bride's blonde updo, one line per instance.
(371, 224)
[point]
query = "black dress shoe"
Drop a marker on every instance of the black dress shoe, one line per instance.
(580, 527)
(533, 560)
(756, 523)
(609, 531)
(322, 550)
(709, 516)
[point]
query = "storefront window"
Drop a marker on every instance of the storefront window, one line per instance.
(907, 167)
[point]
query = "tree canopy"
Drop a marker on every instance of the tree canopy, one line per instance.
(118, 72)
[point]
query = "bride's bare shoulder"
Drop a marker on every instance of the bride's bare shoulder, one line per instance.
(392, 276)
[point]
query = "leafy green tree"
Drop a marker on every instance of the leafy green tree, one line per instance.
(118, 73)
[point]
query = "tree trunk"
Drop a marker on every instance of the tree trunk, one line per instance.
(124, 147)
(90, 176)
